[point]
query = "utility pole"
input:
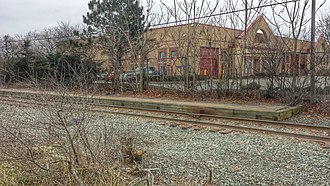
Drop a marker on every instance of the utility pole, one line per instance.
(312, 65)
(211, 64)
(144, 72)
(242, 65)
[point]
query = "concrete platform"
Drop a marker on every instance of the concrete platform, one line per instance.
(267, 112)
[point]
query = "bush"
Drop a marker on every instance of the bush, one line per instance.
(262, 74)
(251, 86)
(284, 74)
(318, 90)
(323, 72)
(177, 78)
(327, 90)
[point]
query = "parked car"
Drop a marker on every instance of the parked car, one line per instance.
(150, 72)
(111, 75)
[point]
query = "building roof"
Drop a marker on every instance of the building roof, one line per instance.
(319, 40)
(196, 23)
(250, 27)
(241, 33)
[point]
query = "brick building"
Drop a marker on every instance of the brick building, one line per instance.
(217, 52)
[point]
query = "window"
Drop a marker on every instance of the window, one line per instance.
(247, 66)
(282, 61)
(162, 56)
(295, 63)
(260, 37)
(173, 58)
(224, 58)
(224, 55)
(287, 62)
(256, 65)
(162, 60)
(268, 65)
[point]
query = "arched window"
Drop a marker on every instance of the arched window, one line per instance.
(261, 36)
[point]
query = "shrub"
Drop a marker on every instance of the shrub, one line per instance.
(319, 90)
(251, 86)
(178, 78)
(323, 72)
(262, 74)
(327, 90)
(284, 74)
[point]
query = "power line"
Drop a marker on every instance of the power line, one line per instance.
(42, 39)
(225, 13)
(167, 23)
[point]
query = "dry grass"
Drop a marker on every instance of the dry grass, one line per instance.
(14, 173)
(44, 150)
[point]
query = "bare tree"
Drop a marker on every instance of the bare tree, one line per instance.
(293, 16)
(120, 27)
(60, 138)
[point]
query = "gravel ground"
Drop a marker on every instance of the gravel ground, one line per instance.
(188, 156)
(235, 159)
(324, 121)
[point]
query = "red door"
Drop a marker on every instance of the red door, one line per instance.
(294, 63)
(209, 62)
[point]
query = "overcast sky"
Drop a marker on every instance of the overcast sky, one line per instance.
(22, 16)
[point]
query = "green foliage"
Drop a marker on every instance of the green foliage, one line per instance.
(116, 17)
(25, 62)
(121, 24)
(71, 69)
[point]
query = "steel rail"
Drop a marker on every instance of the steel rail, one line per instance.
(205, 123)
(260, 121)
(232, 127)
(274, 123)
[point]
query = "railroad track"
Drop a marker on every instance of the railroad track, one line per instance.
(264, 122)
(150, 113)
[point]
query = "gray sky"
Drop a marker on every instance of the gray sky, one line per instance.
(22, 16)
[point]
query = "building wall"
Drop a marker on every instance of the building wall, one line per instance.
(231, 52)
(188, 41)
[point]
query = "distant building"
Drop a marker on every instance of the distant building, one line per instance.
(217, 52)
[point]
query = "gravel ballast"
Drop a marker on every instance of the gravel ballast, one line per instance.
(235, 159)
(190, 157)
(314, 120)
